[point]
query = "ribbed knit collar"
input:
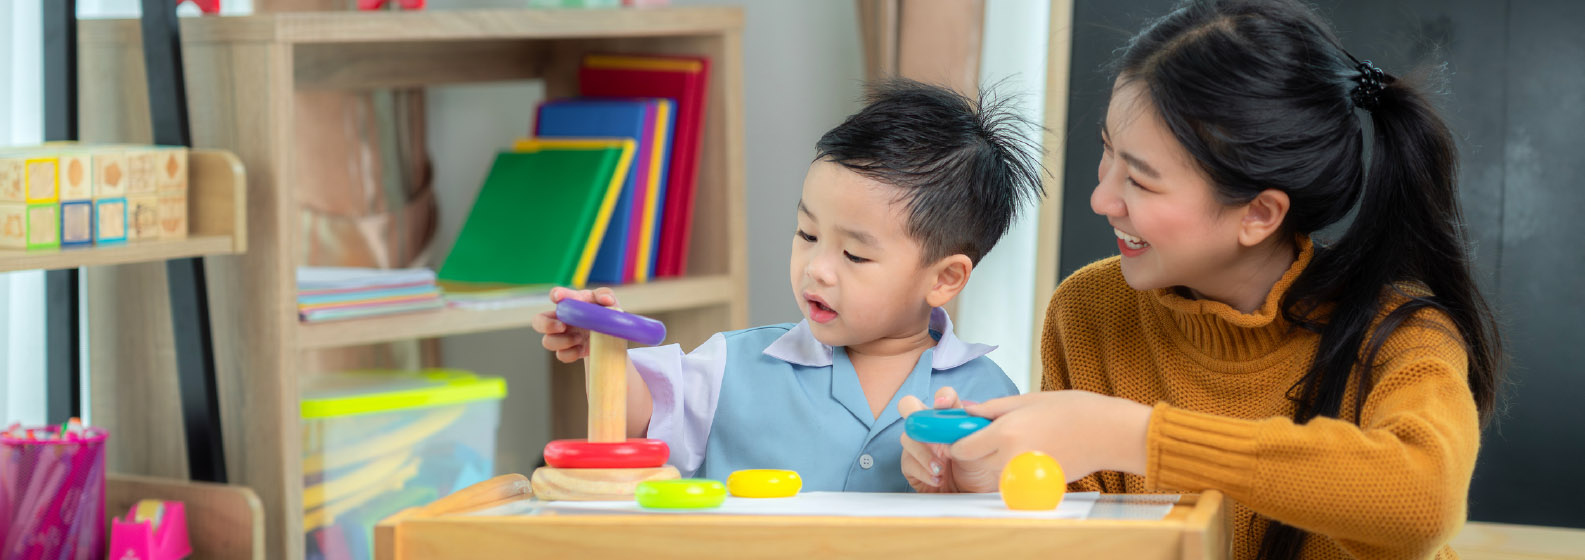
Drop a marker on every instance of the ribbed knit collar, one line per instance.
(1221, 332)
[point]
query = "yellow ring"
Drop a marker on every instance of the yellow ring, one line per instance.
(764, 483)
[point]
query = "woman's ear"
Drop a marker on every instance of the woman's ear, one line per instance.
(948, 277)
(1263, 216)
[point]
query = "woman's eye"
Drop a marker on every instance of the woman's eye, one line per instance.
(805, 236)
(855, 258)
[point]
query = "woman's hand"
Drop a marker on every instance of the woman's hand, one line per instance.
(569, 343)
(928, 467)
(1085, 432)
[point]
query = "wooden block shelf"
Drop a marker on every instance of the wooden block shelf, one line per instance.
(662, 296)
(215, 212)
(243, 76)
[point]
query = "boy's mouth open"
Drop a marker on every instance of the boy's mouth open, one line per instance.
(1131, 246)
(819, 311)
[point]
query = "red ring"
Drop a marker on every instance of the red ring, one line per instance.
(635, 453)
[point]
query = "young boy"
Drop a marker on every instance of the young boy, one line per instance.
(901, 202)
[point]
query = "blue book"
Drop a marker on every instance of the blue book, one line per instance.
(603, 118)
(668, 119)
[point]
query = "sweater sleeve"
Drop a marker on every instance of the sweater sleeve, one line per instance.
(1392, 486)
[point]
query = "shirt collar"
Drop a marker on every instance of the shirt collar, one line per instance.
(799, 346)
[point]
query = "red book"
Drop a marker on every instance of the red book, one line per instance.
(684, 80)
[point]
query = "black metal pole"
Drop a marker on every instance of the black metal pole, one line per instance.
(195, 357)
(62, 360)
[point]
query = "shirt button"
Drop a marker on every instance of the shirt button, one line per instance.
(866, 461)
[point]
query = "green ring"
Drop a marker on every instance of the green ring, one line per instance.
(687, 493)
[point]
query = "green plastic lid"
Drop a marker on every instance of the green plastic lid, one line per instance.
(369, 392)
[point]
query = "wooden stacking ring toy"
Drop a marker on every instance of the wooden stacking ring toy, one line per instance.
(635, 453)
(605, 320)
(609, 465)
(946, 425)
(687, 493)
(764, 483)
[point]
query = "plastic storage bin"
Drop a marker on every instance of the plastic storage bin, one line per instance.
(378, 442)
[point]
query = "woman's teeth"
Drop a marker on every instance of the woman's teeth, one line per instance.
(1133, 242)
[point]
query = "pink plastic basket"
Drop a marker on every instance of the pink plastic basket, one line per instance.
(52, 496)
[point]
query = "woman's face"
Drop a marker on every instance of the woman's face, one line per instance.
(1170, 227)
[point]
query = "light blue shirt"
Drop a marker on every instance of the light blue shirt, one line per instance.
(774, 397)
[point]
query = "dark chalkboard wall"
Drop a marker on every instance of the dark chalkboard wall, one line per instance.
(1516, 82)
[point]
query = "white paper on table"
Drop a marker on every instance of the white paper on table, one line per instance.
(1076, 505)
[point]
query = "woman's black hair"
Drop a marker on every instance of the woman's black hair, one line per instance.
(1263, 96)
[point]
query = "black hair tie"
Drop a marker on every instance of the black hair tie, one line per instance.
(1367, 95)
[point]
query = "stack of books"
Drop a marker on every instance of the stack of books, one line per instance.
(601, 193)
(332, 293)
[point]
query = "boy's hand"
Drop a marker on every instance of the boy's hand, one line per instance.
(569, 343)
(929, 467)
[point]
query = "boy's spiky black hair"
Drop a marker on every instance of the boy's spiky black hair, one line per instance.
(964, 166)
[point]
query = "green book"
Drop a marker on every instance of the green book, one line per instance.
(541, 213)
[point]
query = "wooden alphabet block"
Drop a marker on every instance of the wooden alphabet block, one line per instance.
(11, 180)
(110, 174)
(173, 215)
(143, 218)
(110, 220)
(142, 172)
(13, 225)
(41, 175)
(172, 170)
(76, 176)
(77, 223)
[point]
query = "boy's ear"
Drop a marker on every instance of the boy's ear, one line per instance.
(948, 277)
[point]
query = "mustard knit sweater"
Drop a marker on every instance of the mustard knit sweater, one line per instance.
(1393, 485)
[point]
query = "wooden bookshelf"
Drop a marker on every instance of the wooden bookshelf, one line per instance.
(242, 75)
(216, 219)
(663, 296)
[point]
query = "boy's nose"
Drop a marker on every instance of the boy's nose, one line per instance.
(820, 270)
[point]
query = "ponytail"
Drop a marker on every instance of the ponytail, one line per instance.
(1262, 96)
(1409, 231)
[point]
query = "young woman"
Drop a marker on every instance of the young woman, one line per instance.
(1334, 391)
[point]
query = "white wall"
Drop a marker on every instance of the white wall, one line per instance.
(803, 73)
(21, 293)
(998, 306)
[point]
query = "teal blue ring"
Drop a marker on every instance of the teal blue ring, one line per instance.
(942, 425)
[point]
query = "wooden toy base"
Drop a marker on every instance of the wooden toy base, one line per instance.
(551, 483)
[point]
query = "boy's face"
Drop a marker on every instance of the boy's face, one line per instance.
(856, 273)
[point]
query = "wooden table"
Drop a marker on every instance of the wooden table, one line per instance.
(1197, 528)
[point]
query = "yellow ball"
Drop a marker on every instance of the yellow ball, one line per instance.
(1033, 481)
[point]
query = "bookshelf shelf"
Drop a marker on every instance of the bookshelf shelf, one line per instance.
(243, 78)
(662, 296)
(217, 224)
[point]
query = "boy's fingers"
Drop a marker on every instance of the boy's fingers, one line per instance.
(921, 454)
(570, 355)
(558, 342)
(918, 472)
(605, 297)
(546, 323)
(908, 405)
(946, 397)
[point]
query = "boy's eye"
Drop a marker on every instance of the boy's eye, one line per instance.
(855, 258)
(805, 236)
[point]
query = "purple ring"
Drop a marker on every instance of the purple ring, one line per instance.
(605, 320)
